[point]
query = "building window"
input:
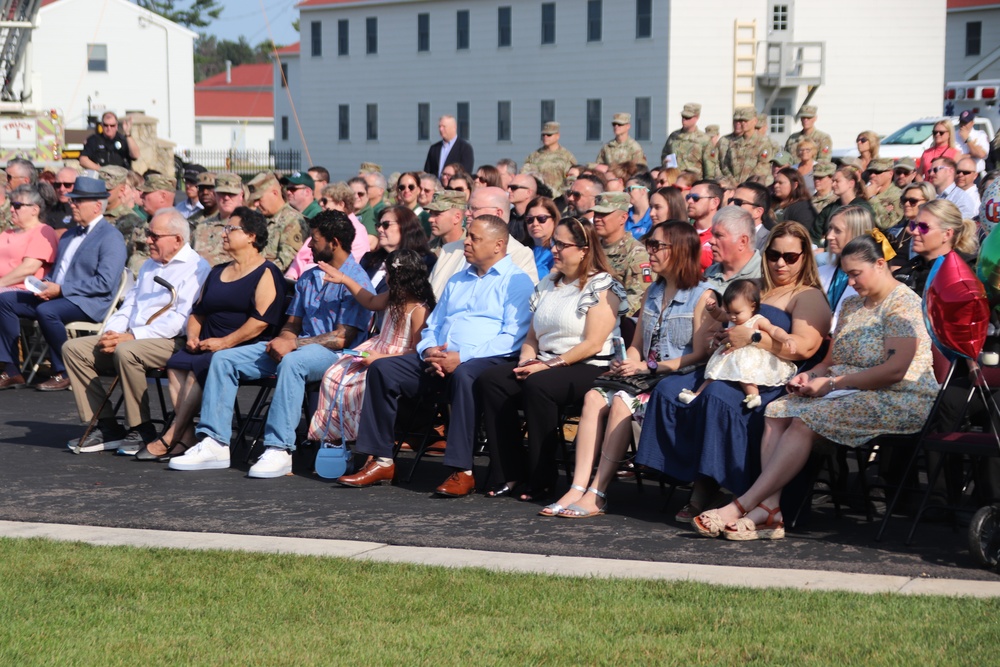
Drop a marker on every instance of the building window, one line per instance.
(371, 35)
(973, 38)
(197, 134)
(97, 57)
(779, 17)
(344, 122)
(593, 120)
(503, 26)
(284, 128)
(641, 118)
(548, 23)
(462, 119)
(643, 19)
(372, 124)
(776, 120)
(594, 10)
(316, 34)
(343, 37)
(423, 121)
(423, 32)
(548, 111)
(462, 34)
(503, 121)
(284, 75)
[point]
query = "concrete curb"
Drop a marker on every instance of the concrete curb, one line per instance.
(807, 580)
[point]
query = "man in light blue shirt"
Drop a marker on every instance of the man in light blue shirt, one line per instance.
(480, 321)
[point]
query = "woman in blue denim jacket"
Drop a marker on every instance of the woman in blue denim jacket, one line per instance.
(673, 331)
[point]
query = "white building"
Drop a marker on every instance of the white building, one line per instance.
(234, 110)
(973, 40)
(87, 57)
(373, 76)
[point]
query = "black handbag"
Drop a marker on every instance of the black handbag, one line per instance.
(635, 384)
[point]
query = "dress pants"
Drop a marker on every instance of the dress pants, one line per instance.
(52, 317)
(130, 361)
(393, 377)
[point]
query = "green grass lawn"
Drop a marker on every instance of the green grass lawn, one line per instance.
(75, 604)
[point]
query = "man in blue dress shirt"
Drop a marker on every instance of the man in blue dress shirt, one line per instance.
(480, 321)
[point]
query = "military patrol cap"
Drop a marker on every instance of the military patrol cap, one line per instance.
(229, 183)
(906, 164)
(260, 184)
(621, 119)
(822, 169)
(158, 182)
(807, 111)
(298, 178)
(880, 165)
(690, 110)
(550, 127)
(611, 201)
(782, 159)
(744, 113)
(370, 168)
(206, 179)
(113, 175)
(712, 130)
(446, 200)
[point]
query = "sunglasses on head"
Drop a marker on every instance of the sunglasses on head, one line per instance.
(789, 257)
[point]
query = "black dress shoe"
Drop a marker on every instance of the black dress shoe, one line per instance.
(501, 491)
(145, 455)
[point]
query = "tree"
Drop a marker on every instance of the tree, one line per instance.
(198, 14)
(211, 54)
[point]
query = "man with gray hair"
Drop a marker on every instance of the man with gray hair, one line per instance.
(451, 148)
(507, 169)
(131, 344)
(20, 172)
(733, 248)
(376, 186)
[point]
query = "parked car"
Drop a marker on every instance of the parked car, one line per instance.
(912, 139)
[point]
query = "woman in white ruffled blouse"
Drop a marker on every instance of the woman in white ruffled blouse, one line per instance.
(576, 310)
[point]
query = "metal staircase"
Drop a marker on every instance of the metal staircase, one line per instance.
(17, 18)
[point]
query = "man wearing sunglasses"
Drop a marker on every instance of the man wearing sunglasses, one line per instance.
(965, 179)
(522, 190)
(60, 216)
(551, 161)
(206, 238)
(883, 194)
(112, 144)
(300, 188)
(286, 228)
(704, 199)
(904, 172)
(942, 177)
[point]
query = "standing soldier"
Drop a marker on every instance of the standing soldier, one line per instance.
(748, 154)
(622, 148)
(883, 194)
(551, 161)
(714, 152)
(763, 121)
(807, 116)
(286, 228)
(823, 180)
(687, 144)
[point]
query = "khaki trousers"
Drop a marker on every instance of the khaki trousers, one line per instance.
(85, 363)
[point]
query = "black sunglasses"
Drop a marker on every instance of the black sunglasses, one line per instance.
(736, 201)
(653, 247)
(64, 186)
(912, 201)
(695, 197)
(963, 172)
(541, 219)
(789, 257)
(384, 225)
(16, 205)
(403, 186)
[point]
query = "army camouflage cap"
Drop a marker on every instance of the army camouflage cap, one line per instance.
(446, 200)
(807, 111)
(298, 178)
(113, 175)
(228, 183)
(260, 184)
(611, 201)
(880, 165)
(823, 169)
(782, 159)
(206, 179)
(712, 130)
(158, 182)
(621, 119)
(744, 113)
(906, 164)
(370, 168)
(690, 110)
(550, 127)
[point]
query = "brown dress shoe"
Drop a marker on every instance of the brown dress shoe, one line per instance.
(457, 485)
(370, 475)
(10, 381)
(54, 383)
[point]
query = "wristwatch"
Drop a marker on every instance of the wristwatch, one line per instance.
(652, 366)
(756, 337)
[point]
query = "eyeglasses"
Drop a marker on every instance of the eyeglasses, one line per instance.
(559, 245)
(16, 205)
(653, 247)
(934, 170)
(636, 187)
(573, 194)
(402, 186)
(157, 237)
(229, 229)
(385, 224)
(517, 187)
(736, 201)
(789, 257)
(912, 201)
(922, 227)
(695, 197)
(963, 172)
(938, 133)
(64, 186)
(540, 219)
(861, 140)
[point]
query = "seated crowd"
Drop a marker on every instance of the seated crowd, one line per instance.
(724, 319)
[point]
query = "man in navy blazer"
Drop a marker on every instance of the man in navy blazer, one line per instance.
(451, 149)
(79, 288)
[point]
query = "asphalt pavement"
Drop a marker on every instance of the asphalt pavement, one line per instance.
(42, 481)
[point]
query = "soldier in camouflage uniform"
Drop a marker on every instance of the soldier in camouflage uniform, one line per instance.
(622, 148)
(687, 144)
(807, 115)
(748, 154)
(627, 257)
(823, 180)
(206, 197)
(551, 161)
(883, 194)
(763, 127)
(286, 228)
(711, 157)
(206, 238)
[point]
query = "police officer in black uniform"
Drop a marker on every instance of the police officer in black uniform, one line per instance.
(114, 146)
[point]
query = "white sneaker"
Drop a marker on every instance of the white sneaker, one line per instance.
(686, 396)
(274, 462)
(206, 455)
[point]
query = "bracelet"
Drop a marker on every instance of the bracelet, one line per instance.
(833, 383)
(555, 362)
(528, 362)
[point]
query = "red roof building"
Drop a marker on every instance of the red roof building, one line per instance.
(235, 109)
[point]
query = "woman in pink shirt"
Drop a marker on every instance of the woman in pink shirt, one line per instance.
(28, 248)
(943, 145)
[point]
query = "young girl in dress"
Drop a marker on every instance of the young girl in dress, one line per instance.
(751, 366)
(409, 301)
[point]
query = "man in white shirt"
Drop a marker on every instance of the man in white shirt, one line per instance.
(970, 141)
(131, 343)
(942, 177)
(965, 179)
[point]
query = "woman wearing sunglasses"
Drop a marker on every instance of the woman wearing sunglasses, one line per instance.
(712, 441)
(942, 145)
(541, 220)
(937, 230)
(912, 198)
(28, 248)
(868, 145)
(408, 190)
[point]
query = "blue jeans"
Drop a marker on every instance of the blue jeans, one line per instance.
(251, 362)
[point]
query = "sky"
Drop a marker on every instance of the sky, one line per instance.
(247, 18)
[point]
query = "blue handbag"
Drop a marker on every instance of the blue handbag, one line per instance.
(333, 461)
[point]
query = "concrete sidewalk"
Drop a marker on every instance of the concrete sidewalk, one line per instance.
(807, 580)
